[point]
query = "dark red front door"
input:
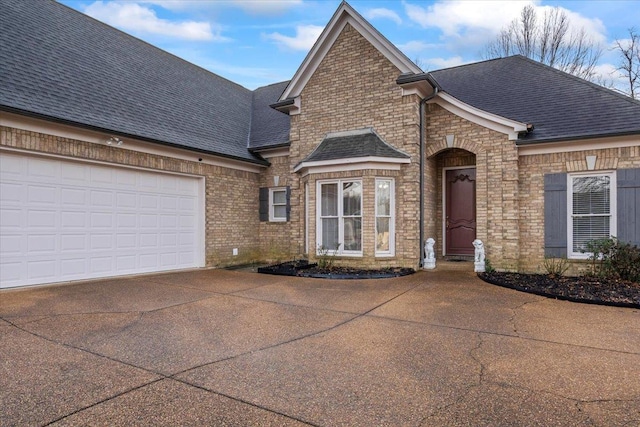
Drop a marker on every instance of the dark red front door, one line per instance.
(460, 211)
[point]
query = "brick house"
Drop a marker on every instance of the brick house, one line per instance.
(118, 158)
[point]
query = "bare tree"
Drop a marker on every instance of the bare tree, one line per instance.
(547, 39)
(629, 65)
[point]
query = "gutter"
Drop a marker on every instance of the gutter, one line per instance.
(423, 101)
(258, 161)
(411, 79)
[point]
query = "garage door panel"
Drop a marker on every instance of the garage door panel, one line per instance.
(11, 219)
(126, 200)
(100, 198)
(42, 218)
(73, 196)
(41, 170)
(11, 272)
(11, 193)
(42, 269)
(41, 243)
(73, 219)
(63, 220)
(73, 243)
(148, 201)
(73, 267)
(11, 244)
(75, 174)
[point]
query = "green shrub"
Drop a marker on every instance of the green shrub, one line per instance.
(325, 259)
(612, 258)
(488, 268)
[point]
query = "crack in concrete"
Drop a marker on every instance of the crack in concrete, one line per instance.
(140, 386)
(514, 310)
(173, 376)
(467, 389)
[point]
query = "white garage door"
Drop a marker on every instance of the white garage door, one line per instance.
(63, 220)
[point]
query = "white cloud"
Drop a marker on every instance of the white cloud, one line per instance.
(452, 17)
(436, 63)
(266, 7)
(306, 36)
(254, 7)
(593, 27)
(138, 19)
(608, 75)
(467, 26)
(381, 12)
(414, 46)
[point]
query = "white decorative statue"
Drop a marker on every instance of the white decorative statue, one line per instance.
(479, 256)
(429, 262)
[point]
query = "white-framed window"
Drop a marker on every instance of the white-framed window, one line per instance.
(591, 207)
(339, 228)
(278, 204)
(385, 217)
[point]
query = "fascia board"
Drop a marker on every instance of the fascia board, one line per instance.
(355, 163)
(480, 117)
(578, 145)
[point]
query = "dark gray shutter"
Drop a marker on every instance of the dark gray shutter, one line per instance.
(264, 204)
(288, 203)
(555, 215)
(628, 205)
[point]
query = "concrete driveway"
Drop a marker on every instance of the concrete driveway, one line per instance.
(219, 347)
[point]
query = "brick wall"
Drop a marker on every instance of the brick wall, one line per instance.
(497, 197)
(355, 87)
(531, 177)
(231, 195)
(276, 242)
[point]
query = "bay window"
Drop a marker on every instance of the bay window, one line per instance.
(340, 217)
(384, 217)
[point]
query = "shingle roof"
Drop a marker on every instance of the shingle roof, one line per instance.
(60, 64)
(559, 105)
(353, 144)
(269, 127)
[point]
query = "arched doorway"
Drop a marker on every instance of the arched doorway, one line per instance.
(459, 210)
(456, 201)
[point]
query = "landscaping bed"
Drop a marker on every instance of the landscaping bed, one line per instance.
(584, 289)
(303, 268)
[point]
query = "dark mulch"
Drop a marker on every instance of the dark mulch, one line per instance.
(585, 289)
(355, 273)
(302, 268)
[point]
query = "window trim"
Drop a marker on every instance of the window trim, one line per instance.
(340, 251)
(272, 204)
(392, 218)
(613, 209)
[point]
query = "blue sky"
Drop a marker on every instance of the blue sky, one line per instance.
(255, 43)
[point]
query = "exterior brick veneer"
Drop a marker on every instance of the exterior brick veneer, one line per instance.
(355, 87)
(531, 179)
(496, 161)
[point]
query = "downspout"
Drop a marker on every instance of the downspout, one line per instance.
(423, 101)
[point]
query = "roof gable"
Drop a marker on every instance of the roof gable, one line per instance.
(343, 16)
